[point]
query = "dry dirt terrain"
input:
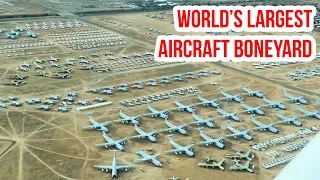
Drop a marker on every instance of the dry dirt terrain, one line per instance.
(51, 145)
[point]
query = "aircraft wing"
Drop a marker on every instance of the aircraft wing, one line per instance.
(137, 136)
(142, 159)
(232, 135)
(260, 127)
(170, 129)
(224, 98)
(175, 150)
(204, 142)
(103, 167)
(122, 140)
(150, 114)
(105, 144)
(89, 127)
(124, 167)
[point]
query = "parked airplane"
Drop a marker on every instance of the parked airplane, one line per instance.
(241, 155)
(241, 167)
(250, 92)
(155, 113)
(264, 127)
(110, 142)
(274, 104)
(128, 119)
(229, 97)
(232, 116)
(149, 53)
(151, 159)
(206, 102)
(96, 125)
(189, 108)
(180, 129)
(297, 99)
(52, 64)
(114, 167)
(37, 66)
(181, 149)
(125, 57)
(25, 64)
(237, 133)
(39, 61)
(142, 134)
(213, 165)
(200, 120)
(53, 59)
(208, 140)
(293, 120)
(136, 55)
(252, 110)
(307, 113)
(20, 68)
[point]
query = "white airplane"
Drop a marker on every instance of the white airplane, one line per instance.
(180, 129)
(233, 116)
(114, 167)
(155, 113)
(237, 133)
(181, 149)
(146, 157)
(37, 66)
(252, 110)
(208, 140)
(306, 113)
(96, 125)
(200, 120)
(142, 134)
(20, 68)
(53, 59)
(111, 58)
(188, 108)
(110, 142)
(250, 92)
(264, 127)
(136, 55)
(259, 67)
(25, 64)
(293, 120)
(52, 64)
(39, 61)
(297, 99)
(274, 104)
(125, 57)
(206, 102)
(229, 97)
(128, 119)
(149, 53)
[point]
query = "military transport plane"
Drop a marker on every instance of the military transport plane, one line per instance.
(207, 102)
(155, 113)
(110, 142)
(127, 119)
(181, 149)
(307, 113)
(151, 135)
(250, 92)
(96, 125)
(208, 140)
(232, 116)
(293, 120)
(264, 127)
(237, 133)
(189, 108)
(252, 110)
(114, 167)
(274, 104)
(172, 127)
(151, 159)
(297, 99)
(241, 155)
(229, 97)
(200, 120)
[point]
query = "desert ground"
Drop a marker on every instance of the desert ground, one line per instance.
(51, 145)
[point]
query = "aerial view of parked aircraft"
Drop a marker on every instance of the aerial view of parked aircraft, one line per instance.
(241, 155)
(208, 140)
(181, 107)
(233, 116)
(236, 133)
(206, 102)
(297, 99)
(200, 120)
(307, 113)
(142, 134)
(229, 97)
(252, 110)
(127, 119)
(181, 149)
(149, 158)
(250, 92)
(180, 129)
(110, 142)
(273, 104)
(264, 127)
(155, 113)
(293, 120)
(114, 167)
(96, 125)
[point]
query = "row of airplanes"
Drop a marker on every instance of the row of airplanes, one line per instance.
(62, 25)
(218, 142)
